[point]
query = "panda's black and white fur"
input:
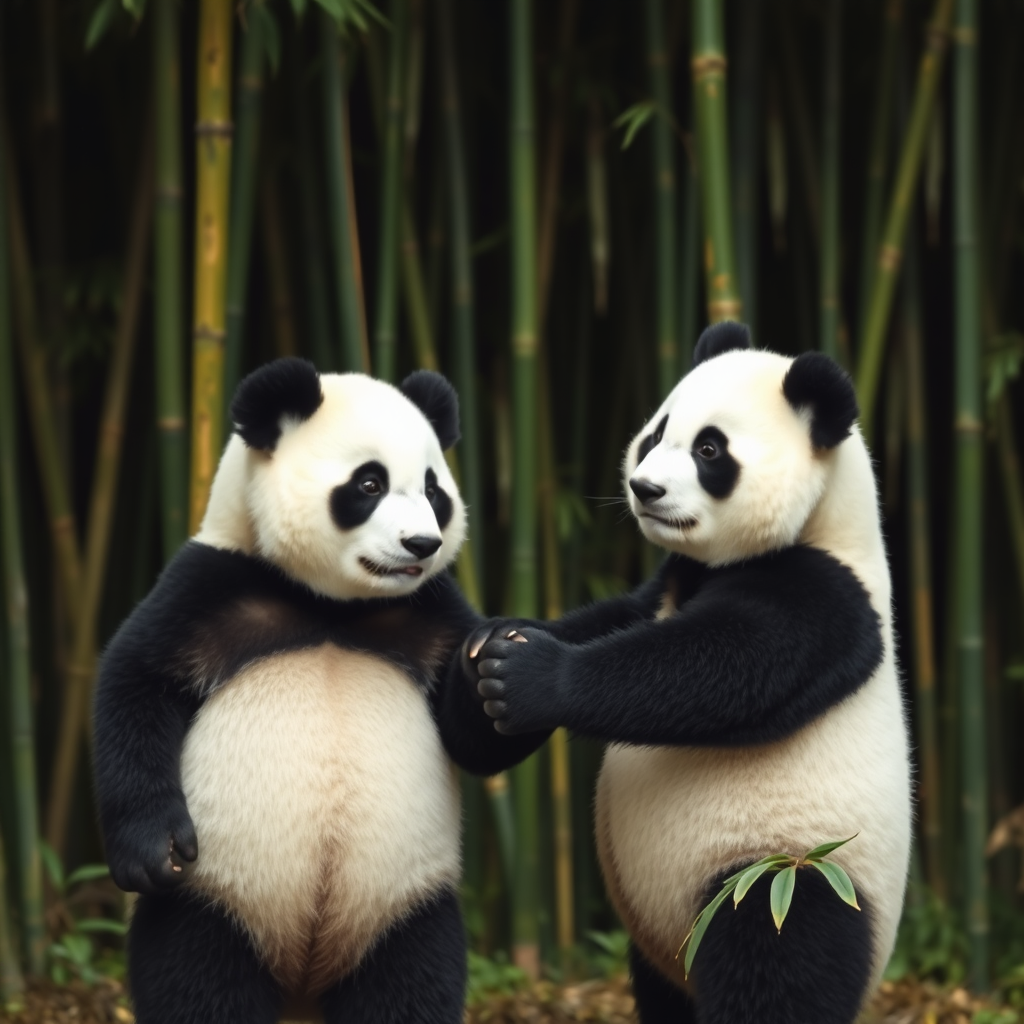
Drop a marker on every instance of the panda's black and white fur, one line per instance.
(749, 694)
(274, 722)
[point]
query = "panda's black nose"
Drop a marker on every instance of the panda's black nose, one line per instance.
(421, 545)
(645, 490)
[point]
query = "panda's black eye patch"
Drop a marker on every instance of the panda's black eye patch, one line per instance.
(717, 470)
(354, 502)
(438, 498)
(651, 441)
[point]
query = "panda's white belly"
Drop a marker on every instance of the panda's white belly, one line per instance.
(324, 805)
(671, 818)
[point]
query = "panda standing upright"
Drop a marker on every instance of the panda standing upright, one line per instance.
(274, 721)
(749, 694)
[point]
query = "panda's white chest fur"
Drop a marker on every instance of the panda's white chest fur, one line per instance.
(324, 805)
(669, 819)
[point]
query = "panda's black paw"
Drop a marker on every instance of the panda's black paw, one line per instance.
(475, 642)
(149, 854)
(523, 680)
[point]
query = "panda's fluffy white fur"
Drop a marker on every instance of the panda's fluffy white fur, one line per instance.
(749, 693)
(272, 745)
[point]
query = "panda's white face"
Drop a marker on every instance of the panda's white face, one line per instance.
(725, 469)
(356, 501)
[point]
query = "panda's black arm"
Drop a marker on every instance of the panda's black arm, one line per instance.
(466, 731)
(759, 651)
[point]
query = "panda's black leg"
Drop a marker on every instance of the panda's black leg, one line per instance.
(189, 962)
(815, 971)
(414, 974)
(658, 1001)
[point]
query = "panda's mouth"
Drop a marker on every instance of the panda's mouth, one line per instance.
(673, 524)
(398, 570)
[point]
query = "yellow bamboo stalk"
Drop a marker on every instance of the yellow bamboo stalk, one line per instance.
(213, 176)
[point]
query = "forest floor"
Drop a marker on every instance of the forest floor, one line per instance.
(608, 1002)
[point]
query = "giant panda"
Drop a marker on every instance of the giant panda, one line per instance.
(749, 694)
(273, 733)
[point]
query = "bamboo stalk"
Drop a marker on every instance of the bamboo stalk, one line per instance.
(463, 311)
(969, 518)
(348, 282)
(417, 309)
(748, 118)
(689, 288)
(831, 157)
(709, 81)
(213, 176)
(878, 159)
(63, 529)
(245, 162)
(386, 320)
(12, 984)
(1013, 490)
(597, 205)
(922, 611)
(523, 214)
(872, 345)
(663, 166)
(275, 250)
(19, 707)
(168, 293)
(309, 190)
(74, 713)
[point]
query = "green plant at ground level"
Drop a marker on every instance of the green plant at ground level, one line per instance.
(489, 977)
(611, 957)
(783, 886)
(931, 942)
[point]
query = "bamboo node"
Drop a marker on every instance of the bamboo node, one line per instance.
(206, 333)
(524, 343)
(220, 129)
(706, 64)
(968, 423)
(964, 35)
(170, 423)
(496, 784)
(724, 309)
(889, 258)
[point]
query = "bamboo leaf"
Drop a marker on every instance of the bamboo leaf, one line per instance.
(87, 873)
(100, 22)
(299, 7)
(102, 924)
(782, 894)
(747, 879)
(633, 119)
(53, 866)
(839, 880)
(271, 34)
(136, 8)
(700, 926)
(826, 848)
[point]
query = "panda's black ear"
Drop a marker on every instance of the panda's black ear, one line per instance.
(719, 338)
(814, 381)
(436, 399)
(285, 387)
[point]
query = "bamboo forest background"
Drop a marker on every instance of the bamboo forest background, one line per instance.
(546, 201)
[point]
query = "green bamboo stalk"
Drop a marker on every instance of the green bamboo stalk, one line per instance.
(386, 325)
(597, 205)
(878, 159)
(348, 281)
(922, 607)
(748, 118)
(523, 215)
(275, 251)
(689, 270)
(213, 176)
(311, 220)
(872, 345)
(462, 310)
(1013, 490)
(168, 299)
(709, 83)
(663, 166)
(831, 159)
(244, 169)
(12, 984)
(19, 707)
(969, 492)
(74, 712)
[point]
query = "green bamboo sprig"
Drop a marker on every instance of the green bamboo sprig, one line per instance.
(784, 866)
(969, 550)
(168, 294)
(18, 668)
(873, 333)
(708, 65)
(245, 165)
(385, 328)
